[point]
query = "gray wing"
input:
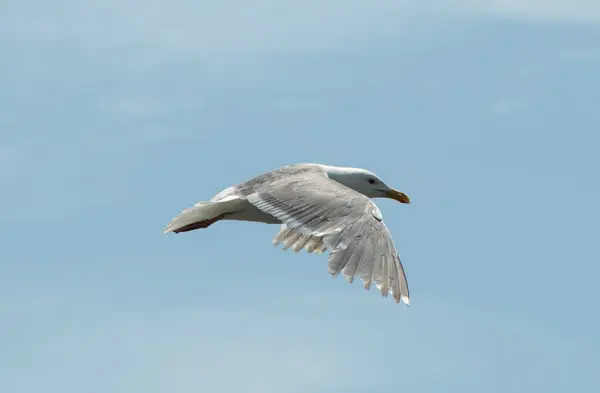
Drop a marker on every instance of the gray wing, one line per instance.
(349, 223)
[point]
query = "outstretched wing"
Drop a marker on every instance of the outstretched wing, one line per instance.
(349, 223)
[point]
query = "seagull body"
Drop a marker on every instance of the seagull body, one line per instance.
(320, 208)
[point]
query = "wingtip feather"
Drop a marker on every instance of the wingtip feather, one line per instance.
(405, 300)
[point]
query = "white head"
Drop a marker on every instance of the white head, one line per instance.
(365, 182)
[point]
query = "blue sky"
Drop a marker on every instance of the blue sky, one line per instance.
(114, 116)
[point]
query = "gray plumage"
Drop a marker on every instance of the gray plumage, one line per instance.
(317, 213)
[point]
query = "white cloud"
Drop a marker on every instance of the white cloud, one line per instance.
(114, 50)
(288, 343)
(528, 70)
(300, 105)
(158, 350)
(60, 175)
(131, 106)
(206, 27)
(556, 11)
(201, 28)
(582, 54)
(505, 107)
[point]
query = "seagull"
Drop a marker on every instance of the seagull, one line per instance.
(320, 208)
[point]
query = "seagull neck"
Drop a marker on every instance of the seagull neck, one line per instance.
(348, 177)
(336, 172)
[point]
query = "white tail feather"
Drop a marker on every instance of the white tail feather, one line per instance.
(199, 212)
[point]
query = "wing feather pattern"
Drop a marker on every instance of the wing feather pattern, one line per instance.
(312, 206)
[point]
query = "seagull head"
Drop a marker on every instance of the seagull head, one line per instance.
(365, 182)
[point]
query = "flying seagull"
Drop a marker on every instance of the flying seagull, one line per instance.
(320, 208)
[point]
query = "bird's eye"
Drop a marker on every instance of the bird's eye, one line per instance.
(371, 181)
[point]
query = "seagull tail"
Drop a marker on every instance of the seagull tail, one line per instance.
(201, 215)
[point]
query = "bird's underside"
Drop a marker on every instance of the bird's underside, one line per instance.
(201, 224)
(327, 218)
(288, 237)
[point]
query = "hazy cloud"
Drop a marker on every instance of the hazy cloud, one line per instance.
(305, 342)
(583, 54)
(505, 107)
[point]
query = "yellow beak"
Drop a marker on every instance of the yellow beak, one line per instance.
(398, 196)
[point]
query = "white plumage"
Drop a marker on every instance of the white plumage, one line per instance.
(319, 208)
